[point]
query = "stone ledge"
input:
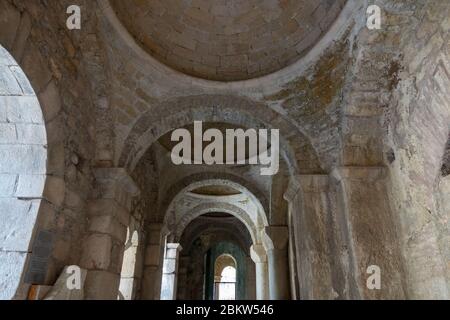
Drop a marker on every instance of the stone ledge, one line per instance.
(368, 174)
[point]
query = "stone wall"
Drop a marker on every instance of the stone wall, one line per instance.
(417, 123)
(364, 117)
(54, 60)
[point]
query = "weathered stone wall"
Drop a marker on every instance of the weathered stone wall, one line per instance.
(417, 124)
(359, 104)
(396, 113)
(54, 59)
(23, 153)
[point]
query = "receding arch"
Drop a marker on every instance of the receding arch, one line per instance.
(211, 207)
(193, 181)
(179, 112)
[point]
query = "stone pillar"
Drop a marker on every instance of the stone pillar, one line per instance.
(109, 216)
(363, 205)
(182, 278)
(250, 293)
(307, 196)
(259, 257)
(154, 255)
(278, 264)
(170, 270)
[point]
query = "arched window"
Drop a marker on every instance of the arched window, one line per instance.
(225, 278)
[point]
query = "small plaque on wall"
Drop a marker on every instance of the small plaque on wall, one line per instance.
(42, 249)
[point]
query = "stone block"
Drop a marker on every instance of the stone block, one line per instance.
(108, 224)
(97, 252)
(8, 84)
(9, 23)
(35, 67)
(56, 129)
(139, 265)
(61, 250)
(101, 285)
(11, 265)
(168, 287)
(117, 257)
(7, 185)
(5, 57)
(56, 159)
(170, 266)
(17, 223)
(22, 80)
(50, 101)
(129, 263)
(109, 206)
(31, 134)
(22, 36)
(55, 190)
(152, 255)
(8, 133)
(127, 288)
(21, 109)
(30, 186)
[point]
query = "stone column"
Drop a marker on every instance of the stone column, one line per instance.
(307, 196)
(153, 261)
(182, 278)
(259, 257)
(363, 205)
(109, 216)
(170, 270)
(250, 279)
(278, 264)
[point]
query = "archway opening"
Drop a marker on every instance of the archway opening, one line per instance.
(127, 285)
(225, 275)
(23, 174)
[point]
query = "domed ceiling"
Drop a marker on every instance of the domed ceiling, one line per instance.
(227, 40)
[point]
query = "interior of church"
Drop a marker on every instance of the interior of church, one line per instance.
(344, 194)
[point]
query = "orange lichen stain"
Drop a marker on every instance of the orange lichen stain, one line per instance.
(315, 94)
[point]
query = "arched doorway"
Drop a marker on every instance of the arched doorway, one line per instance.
(23, 168)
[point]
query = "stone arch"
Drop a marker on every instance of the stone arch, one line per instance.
(236, 233)
(210, 178)
(223, 261)
(36, 109)
(198, 238)
(212, 207)
(295, 146)
(23, 171)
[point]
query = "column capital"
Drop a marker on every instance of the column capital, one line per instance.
(306, 183)
(369, 174)
(276, 237)
(258, 253)
(174, 246)
(119, 176)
